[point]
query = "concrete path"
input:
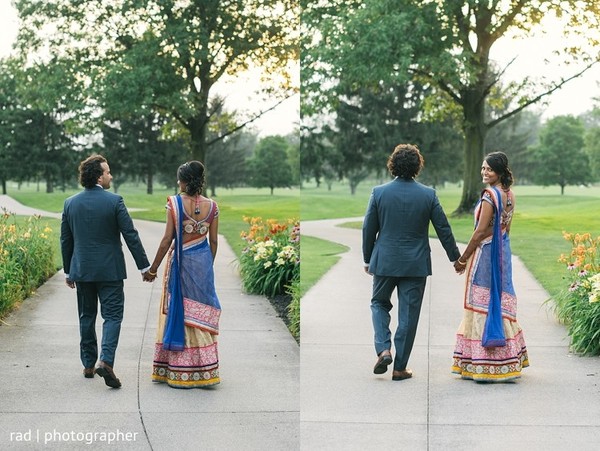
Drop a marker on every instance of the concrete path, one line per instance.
(45, 403)
(344, 406)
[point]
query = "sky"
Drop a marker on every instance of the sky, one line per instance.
(574, 98)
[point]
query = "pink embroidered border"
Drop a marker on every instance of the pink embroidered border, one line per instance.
(200, 357)
(479, 298)
(201, 316)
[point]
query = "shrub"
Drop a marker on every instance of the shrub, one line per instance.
(271, 259)
(26, 259)
(578, 306)
(294, 308)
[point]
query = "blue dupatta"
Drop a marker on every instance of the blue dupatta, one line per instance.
(493, 332)
(174, 334)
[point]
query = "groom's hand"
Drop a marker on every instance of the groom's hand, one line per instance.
(459, 268)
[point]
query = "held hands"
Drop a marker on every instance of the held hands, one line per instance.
(459, 266)
(149, 276)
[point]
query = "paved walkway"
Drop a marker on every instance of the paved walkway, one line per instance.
(344, 406)
(45, 403)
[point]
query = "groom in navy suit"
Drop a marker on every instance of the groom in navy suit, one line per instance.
(93, 222)
(396, 253)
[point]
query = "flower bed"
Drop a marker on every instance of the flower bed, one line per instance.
(578, 306)
(271, 259)
(270, 266)
(26, 259)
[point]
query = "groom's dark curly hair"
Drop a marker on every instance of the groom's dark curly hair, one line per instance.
(90, 170)
(405, 161)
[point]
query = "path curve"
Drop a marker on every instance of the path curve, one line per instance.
(345, 406)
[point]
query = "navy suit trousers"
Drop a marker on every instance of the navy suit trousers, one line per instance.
(112, 299)
(410, 297)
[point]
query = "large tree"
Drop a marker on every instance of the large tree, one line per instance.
(36, 133)
(560, 155)
(270, 166)
(168, 55)
(447, 44)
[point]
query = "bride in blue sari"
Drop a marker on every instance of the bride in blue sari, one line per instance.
(490, 346)
(186, 352)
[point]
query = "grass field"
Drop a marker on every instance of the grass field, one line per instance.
(233, 205)
(536, 236)
(317, 257)
(541, 216)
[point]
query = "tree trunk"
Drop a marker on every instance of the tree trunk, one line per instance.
(149, 183)
(3, 186)
(198, 138)
(198, 124)
(474, 129)
(49, 185)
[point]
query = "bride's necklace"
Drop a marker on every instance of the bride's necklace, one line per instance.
(197, 205)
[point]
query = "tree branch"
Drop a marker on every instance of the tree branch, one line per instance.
(441, 83)
(175, 114)
(538, 97)
(488, 88)
(249, 121)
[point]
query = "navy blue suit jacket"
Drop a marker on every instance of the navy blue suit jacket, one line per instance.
(396, 229)
(93, 221)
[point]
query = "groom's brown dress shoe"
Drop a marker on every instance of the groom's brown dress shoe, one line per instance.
(88, 373)
(401, 375)
(108, 374)
(385, 358)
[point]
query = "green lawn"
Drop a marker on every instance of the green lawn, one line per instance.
(541, 216)
(317, 257)
(233, 205)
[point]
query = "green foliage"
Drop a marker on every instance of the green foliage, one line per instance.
(444, 45)
(592, 149)
(26, 259)
(271, 260)
(33, 124)
(270, 166)
(560, 154)
(579, 305)
(166, 57)
(515, 136)
(226, 161)
(293, 289)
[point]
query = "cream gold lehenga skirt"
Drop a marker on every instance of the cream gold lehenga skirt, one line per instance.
(197, 365)
(501, 364)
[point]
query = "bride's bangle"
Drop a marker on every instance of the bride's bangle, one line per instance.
(461, 263)
(151, 273)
